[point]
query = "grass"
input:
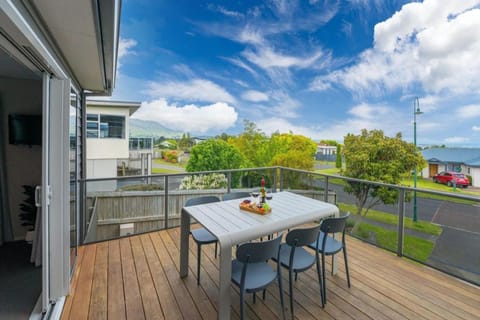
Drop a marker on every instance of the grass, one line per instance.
(430, 185)
(391, 219)
(421, 184)
(163, 170)
(412, 247)
(163, 162)
(329, 171)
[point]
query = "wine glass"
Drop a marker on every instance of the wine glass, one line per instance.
(254, 194)
(269, 194)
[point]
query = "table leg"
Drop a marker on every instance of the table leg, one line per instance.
(184, 235)
(224, 299)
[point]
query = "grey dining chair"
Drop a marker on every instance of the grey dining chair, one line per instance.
(202, 236)
(251, 271)
(235, 195)
(294, 257)
(327, 245)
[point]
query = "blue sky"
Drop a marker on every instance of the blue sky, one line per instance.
(321, 68)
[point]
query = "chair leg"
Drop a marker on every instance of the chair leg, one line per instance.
(254, 295)
(319, 274)
(242, 305)
(346, 265)
(216, 249)
(264, 294)
(280, 289)
(199, 254)
(290, 289)
(296, 276)
(324, 281)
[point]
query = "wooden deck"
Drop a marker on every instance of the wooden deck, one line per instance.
(137, 278)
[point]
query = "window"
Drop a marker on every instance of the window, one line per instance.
(105, 126)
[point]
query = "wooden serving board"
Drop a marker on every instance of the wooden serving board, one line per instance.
(248, 207)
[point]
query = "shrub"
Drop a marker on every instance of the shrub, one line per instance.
(470, 179)
(204, 181)
(170, 156)
(141, 187)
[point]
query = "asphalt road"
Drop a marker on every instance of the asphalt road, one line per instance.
(457, 249)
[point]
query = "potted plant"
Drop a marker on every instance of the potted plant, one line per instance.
(28, 211)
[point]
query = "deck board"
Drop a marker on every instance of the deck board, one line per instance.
(138, 278)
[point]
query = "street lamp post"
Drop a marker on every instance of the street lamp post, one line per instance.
(416, 111)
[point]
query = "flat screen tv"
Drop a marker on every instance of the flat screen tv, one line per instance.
(25, 129)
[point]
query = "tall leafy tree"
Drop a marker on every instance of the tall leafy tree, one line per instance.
(291, 150)
(338, 157)
(375, 157)
(251, 143)
(214, 154)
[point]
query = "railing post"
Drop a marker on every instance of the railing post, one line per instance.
(281, 179)
(326, 190)
(401, 216)
(275, 171)
(165, 201)
(229, 181)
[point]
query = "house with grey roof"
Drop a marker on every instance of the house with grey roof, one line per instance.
(463, 160)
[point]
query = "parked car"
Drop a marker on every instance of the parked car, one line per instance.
(449, 178)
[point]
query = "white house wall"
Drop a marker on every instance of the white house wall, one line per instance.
(475, 173)
(23, 163)
(98, 148)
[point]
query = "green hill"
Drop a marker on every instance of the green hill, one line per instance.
(147, 128)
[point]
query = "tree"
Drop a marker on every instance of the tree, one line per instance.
(338, 157)
(251, 143)
(214, 154)
(186, 142)
(291, 150)
(375, 157)
(329, 142)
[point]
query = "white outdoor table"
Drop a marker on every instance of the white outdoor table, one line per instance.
(233, 226)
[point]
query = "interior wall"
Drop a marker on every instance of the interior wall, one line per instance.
(23, 163)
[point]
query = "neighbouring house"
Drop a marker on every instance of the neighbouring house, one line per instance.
(326, 153)
(463, 160)
(53, 55)
(140, 156)
(108, 140)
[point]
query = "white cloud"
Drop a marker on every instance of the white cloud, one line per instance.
(254, 96)
(125, 47)
(456, 140)
(243, 65)
(192, 90)
(366, 111)
(468, 112)
(476, 128)
(434, 44)
(271, 125)
(191, 118)
(266, 58)
(226, 12)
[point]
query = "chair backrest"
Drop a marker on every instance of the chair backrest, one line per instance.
(201, 200)
(235, 195)
(334, 225)
(253, 252)
(303, 236)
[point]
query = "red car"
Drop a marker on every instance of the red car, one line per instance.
(449, 178)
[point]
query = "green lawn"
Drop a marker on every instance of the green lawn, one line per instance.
(391, 219)
(163, 170)
(161, 161)
(429, 184)
(329, 171)
(412, 247)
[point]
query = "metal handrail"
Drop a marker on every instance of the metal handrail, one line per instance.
(279, 183)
